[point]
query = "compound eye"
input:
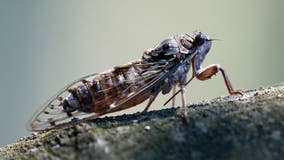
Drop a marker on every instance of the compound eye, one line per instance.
(199, 39)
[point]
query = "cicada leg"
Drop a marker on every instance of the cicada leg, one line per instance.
(151, 100)
(183, 102)
(209, 71)
(174, 99)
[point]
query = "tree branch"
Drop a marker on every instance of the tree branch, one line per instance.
(231, 127)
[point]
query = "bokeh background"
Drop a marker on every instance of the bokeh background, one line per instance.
(46, 44)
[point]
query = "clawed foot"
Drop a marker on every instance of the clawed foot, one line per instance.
(140, 113)
(184, 115)
(239, 92)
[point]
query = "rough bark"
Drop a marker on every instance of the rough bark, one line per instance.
(231, 127)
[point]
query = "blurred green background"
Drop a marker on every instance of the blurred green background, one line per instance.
(46, 44)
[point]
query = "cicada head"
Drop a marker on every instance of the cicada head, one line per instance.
(197, 43)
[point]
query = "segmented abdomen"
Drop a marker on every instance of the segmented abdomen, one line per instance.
(96, 94)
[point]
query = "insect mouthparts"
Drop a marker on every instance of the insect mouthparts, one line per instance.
(214, 39)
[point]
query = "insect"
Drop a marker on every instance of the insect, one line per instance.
(160, 69)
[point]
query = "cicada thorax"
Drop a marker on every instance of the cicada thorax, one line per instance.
(98, 93)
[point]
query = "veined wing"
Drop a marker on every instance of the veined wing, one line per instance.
(52, 115)
(160, 75)
(52, 111)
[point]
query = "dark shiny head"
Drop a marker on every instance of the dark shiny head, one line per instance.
(198, 43)
(197, 38)
(200, 39)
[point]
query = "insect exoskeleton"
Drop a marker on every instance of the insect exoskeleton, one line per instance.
(160, 69)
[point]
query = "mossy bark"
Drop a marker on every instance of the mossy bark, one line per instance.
(231, 127)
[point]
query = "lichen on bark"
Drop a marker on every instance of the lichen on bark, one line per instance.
(230, 127)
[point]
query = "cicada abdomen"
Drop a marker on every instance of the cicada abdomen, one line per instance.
(102, 91)
(94, 95)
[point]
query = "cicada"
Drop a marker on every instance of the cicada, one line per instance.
(161, 69)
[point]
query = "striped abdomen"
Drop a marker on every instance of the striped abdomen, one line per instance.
(97, 93)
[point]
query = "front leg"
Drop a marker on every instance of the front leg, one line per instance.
(207, 72)
(183, 102)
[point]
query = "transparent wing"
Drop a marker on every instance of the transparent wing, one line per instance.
(52, 113)
(158, 74)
